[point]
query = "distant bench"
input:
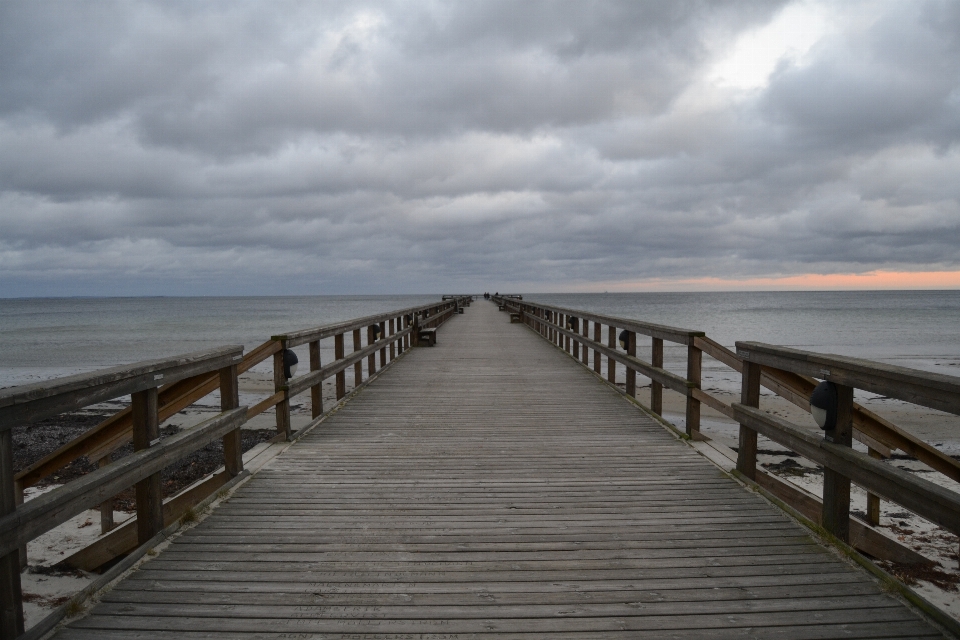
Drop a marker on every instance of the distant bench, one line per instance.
(427, 337)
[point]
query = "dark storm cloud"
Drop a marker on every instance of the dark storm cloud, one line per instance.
(301, 147)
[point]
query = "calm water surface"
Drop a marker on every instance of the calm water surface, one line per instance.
(45, 338)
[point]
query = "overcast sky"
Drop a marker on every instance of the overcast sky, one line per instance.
(360, 147)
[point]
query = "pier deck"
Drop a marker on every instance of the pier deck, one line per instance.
(490, 487)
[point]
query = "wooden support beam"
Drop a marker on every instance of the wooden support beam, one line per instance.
(106, 507)
(383, 350)
(585, 354)
(656, 388)
(631, 386)
(230, 399)
(749, 396)
(338, 354)
(611, 363)
(694, 366)
(279, 383)
(836, 486)
(11, 595)
(358, 367)
(873, 500)
(316, 391)
(393, 346)
(146, 433)
(372, 358)
(597, 337)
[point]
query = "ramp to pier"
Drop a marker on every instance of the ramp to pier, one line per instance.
(491, 487)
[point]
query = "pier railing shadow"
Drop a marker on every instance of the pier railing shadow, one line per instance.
(792, 375)
(159, 390)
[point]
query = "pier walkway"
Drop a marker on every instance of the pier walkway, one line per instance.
(491, 487)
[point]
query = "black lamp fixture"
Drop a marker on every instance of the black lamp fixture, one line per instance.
(572, 323)
(290, 361)
(823, 405)
(375, 331)
(624, 338)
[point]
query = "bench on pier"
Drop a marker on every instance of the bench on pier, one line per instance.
(516, 317)
(427, 337)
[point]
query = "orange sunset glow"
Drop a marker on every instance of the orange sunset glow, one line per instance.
(810, 282)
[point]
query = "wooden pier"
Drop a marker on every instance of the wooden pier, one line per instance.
(492, 487)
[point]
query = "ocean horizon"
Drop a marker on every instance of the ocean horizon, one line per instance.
(44, 338)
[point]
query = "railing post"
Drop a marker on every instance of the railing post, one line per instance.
(279, 382)
(574, 343)
(146, 432)
(694, 367)
(383, 350)
(656, 389)
(585, 353)
(611, 363)
(873, 501)
(338, 354)
(316, 391)
(393, 343)
(750, 397)
(106, 507)
(11, 594)
(358, 367)
(631, 387)
(597, 337)
(230, 399)
(836, 487)
(372, 358)
(415, 333)
(18, 500)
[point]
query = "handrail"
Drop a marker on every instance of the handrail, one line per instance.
(20, 523)
(841, 463)
(32, 402)
(303, 336)
(934, 390)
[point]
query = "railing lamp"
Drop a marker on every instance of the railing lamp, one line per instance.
(290, 361)
(375, 330)
(624, 338)
(823, 405)
(572, 323)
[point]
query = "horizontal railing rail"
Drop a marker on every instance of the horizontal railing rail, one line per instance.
(32, 402)
(879, 435)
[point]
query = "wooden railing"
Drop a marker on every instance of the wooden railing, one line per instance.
(25, 404)
(159, 390)
(570, 330)
(841, 463)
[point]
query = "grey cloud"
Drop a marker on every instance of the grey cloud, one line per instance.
(380, 147)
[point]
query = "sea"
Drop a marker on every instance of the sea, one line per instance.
(44, 338)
